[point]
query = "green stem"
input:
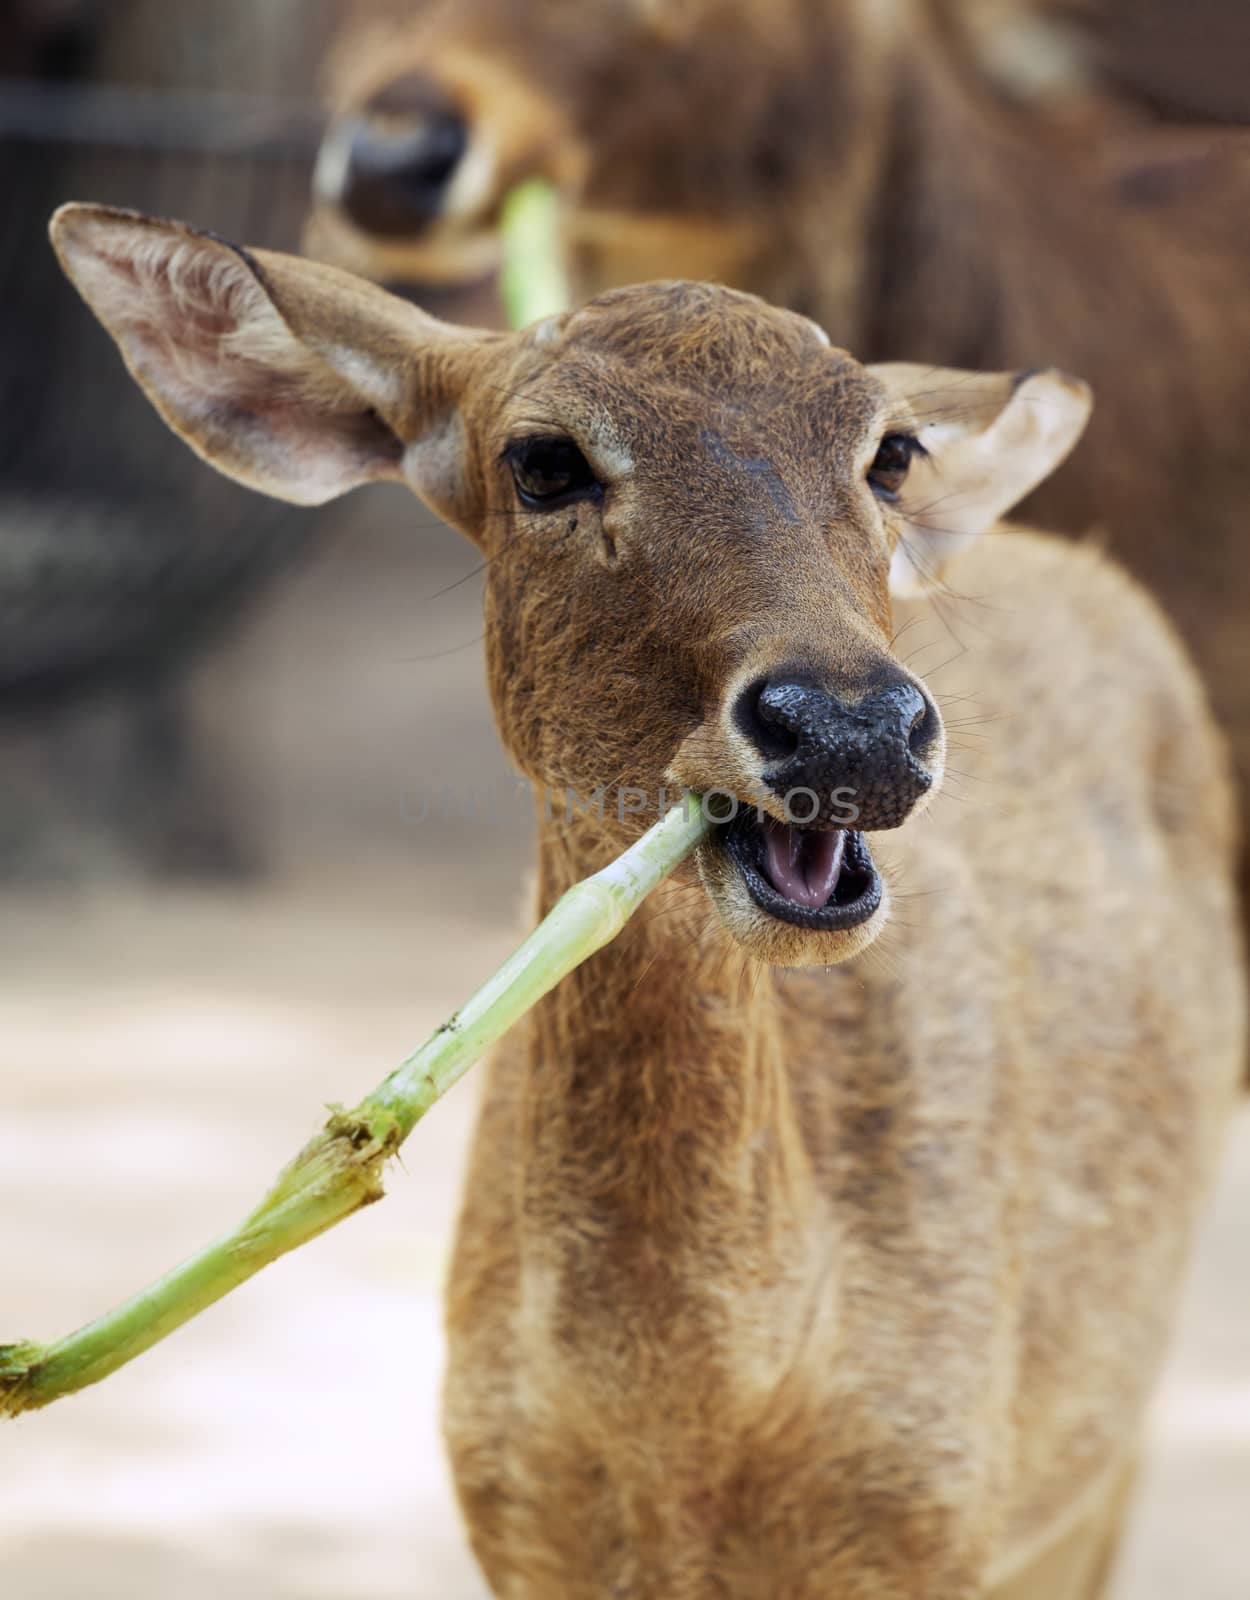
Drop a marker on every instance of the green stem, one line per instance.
(341, 1169)
(532, 283)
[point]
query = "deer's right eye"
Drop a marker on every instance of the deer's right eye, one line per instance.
(550, 473)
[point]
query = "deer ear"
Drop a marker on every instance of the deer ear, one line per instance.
(291, 377)
(989, 440)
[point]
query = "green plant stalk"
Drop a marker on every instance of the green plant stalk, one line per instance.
(340, 1171)
(532, 282)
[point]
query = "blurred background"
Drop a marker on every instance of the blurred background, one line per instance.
(237, 881)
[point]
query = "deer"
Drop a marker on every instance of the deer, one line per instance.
(821, 1235)
(846, 159)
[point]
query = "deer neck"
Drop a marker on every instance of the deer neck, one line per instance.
(912, 266)
(990, 223)
(658, 1107)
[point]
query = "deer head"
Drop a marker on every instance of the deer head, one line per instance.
(690, 504)
(681, 132)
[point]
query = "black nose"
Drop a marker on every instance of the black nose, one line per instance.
(866, 756)
(401, 157)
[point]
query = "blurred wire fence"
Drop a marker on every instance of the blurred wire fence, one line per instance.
(119, 556)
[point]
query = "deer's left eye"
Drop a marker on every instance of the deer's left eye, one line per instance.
(892, 463)
(551, 472)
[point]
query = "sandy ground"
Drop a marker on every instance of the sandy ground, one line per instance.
(160, 1057)
(286, 1444)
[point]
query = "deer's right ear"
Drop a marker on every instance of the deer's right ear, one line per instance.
(291, 377)
(989, 439)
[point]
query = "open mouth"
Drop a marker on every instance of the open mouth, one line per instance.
(823, 879)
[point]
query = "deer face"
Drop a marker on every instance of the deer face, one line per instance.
(691, 508)
(678, 131)
(690, 514)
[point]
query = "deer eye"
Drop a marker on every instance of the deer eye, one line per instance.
(892, 463)
(551, 472)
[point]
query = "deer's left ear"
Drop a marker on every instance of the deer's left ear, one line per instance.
(293, 378)
(989, 440)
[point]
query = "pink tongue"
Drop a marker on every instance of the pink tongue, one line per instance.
(802, 866)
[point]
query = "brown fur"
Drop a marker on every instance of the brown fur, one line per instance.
(1182, 58)
(1109, 60)
(840, 157)
(847, 1281)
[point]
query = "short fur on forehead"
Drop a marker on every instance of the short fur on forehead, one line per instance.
(707, 330)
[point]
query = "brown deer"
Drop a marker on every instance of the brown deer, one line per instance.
(842, 158)
(778, 1285)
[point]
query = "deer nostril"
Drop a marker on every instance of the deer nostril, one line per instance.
(396, 179)
(761, 720)
(920, 728)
